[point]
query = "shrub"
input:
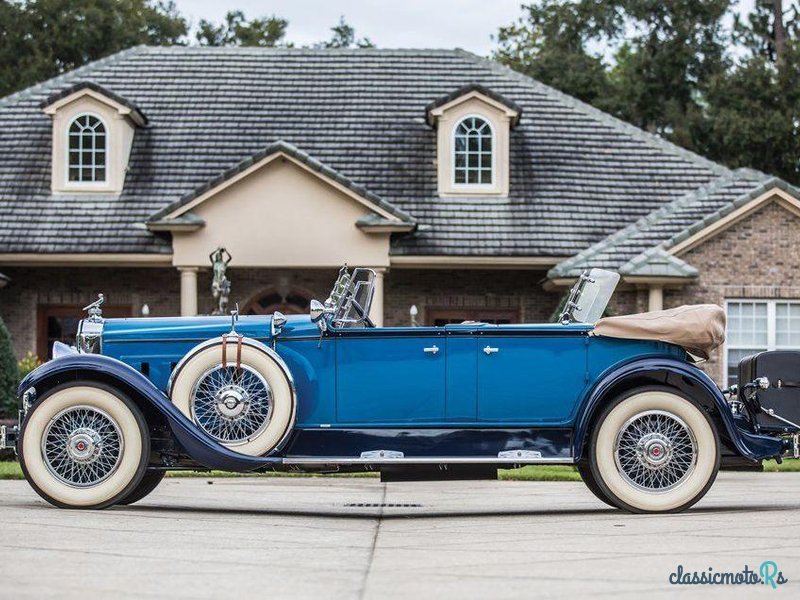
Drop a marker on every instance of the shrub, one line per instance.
(9, 375)
(28, 364)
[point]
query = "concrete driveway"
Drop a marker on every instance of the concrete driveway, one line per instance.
(359, 538)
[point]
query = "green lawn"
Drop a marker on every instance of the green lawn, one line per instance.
(11, 470)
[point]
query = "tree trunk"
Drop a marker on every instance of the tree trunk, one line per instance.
(779, 30)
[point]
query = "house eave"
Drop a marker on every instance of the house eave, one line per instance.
(86, 260)
(473, 262)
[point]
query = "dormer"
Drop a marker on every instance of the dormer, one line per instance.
(93, 132)
(473, 127)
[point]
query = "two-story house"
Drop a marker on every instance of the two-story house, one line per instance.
(474, 191)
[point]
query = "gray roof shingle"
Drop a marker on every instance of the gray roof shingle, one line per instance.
(577, 174)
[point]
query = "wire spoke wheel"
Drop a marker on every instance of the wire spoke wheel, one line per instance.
(655, 451)
(233, 405)
(82, 446)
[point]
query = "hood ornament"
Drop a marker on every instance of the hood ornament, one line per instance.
(94, 312)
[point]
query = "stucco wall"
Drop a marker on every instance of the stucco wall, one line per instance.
(284, 216)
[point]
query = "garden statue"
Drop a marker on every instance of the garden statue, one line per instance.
(220, 284)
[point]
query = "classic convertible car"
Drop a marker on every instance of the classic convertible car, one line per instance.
(618, 397)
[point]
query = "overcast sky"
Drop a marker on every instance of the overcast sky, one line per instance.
(464, 24)
(467, 24)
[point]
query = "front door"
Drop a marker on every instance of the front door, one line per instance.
(386, 379)
(530, 380)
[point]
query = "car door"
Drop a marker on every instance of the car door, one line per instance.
(532, 376)
(390, 376)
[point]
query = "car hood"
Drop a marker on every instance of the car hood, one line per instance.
(200, 329)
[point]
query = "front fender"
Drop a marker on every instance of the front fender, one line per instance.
(689, 379)
(201, 447)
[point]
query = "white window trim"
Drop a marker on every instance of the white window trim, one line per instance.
(771, 327)
(87, 185)
(473, 187)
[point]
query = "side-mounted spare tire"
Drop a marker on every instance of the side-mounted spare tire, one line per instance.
(238, 391)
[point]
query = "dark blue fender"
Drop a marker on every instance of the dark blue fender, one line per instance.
(202, 448)
(686, 377)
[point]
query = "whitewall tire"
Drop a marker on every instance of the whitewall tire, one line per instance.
(652, 450)
(249, 410)
(84, 445)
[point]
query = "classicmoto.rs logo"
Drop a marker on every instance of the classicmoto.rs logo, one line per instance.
(766, 574)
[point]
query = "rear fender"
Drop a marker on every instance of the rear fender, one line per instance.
(201, 447)
(687, 378)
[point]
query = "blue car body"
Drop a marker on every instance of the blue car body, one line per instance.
(470, 392)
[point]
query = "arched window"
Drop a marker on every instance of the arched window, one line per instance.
(290, 301)
(473, 147)
(87, 150)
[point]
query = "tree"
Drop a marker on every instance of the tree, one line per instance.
(238, 31)
(42, 38)
(9, 375)
(344, 36)
(674, 68)
(768, 29)
(549, 43)
(752, 117)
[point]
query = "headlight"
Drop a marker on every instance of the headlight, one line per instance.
(90, 332)
(61, 349)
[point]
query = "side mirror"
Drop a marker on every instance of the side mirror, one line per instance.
(316, 310)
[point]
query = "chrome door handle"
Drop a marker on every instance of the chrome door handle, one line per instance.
(431, 350)
(489, 350)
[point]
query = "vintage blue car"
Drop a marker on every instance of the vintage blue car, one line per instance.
(621, 400)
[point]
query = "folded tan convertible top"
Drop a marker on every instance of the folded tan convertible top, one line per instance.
(699, 328)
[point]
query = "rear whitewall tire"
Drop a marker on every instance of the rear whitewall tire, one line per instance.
(129, 425)
(282, 412)
(680, 412)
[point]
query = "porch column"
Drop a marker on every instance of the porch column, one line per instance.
(376, 312)
(655, 298)
(188, 291)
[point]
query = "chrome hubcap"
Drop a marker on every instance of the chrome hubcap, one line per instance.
(655, 451)
(232, 405)
(82, 446)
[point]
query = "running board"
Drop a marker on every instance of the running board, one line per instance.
(424, 460)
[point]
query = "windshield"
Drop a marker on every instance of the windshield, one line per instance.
(589, 297)
(351, 297)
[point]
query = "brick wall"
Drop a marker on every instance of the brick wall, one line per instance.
(519, 290)
(758, 257)
(159, 288)
(31, 287)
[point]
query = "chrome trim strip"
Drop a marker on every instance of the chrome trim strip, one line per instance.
(424, 460)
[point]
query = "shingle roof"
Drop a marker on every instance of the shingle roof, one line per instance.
(577, 174)
(640, 248)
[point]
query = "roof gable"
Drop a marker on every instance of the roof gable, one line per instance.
(652, 245)
(474, 90)
(87, 88)
(389, 214)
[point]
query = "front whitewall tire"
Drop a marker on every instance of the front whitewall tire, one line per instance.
(687, 425)
(51, 477)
